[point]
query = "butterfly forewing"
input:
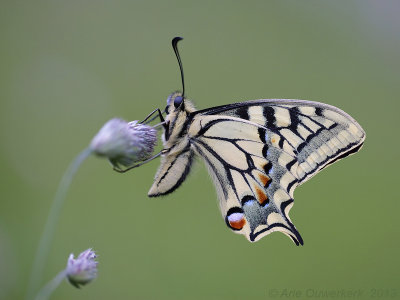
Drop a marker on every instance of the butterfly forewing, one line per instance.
(316, 134)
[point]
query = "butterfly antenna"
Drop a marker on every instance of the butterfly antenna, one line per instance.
(175, 41)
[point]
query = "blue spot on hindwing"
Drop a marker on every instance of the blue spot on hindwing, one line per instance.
(249, 203)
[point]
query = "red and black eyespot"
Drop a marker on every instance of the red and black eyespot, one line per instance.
(235, 218)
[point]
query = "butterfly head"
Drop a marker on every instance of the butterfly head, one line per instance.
(178, 110)
(176, 104)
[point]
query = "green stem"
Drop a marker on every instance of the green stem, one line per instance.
(51, 286)
(51, 223)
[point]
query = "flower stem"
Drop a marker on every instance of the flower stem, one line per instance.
(51, 223)
(49, 288)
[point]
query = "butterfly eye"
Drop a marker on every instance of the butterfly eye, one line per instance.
(177, 101)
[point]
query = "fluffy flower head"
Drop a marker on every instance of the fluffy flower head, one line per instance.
(124, 143)
(83, 269)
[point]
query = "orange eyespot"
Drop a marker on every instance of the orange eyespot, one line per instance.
(236, 221)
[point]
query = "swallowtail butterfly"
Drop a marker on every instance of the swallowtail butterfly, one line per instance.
(257, 153)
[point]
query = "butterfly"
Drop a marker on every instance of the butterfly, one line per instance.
(257, 152)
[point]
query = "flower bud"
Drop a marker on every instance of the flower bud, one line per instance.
(83, 269)
(124, 143)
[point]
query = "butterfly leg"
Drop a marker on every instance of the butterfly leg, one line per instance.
(151, 114)
(119, 170)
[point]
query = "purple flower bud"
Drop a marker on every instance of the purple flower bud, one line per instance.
(83, 269)
(124, 143)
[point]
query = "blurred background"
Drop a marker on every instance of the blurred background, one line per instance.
(69, 66)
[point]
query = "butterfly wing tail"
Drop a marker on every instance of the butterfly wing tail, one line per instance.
(275, 220)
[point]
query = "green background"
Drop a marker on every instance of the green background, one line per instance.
(69, 66)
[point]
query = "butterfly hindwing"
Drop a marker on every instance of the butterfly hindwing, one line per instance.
(254, 188)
